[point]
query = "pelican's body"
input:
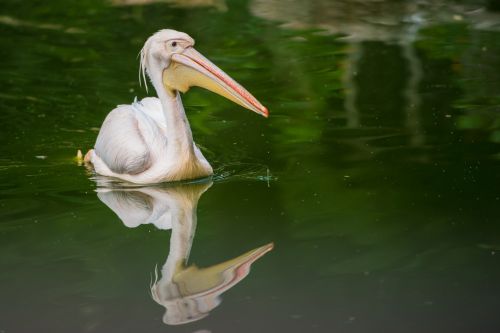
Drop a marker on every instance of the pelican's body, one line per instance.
(135, 144)
(150, 141)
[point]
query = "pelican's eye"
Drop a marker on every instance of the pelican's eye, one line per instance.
(174, 44)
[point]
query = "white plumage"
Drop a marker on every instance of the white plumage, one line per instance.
(150, 141)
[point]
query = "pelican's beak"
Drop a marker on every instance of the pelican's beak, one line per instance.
(190, 68)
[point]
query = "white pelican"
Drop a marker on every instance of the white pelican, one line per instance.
(150, 141)
(188, 293)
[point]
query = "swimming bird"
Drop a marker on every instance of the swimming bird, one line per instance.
(150, 141)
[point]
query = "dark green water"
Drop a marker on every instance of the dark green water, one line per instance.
(376, 175)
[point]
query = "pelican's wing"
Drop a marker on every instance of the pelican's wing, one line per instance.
(123, 141)
(152, 107)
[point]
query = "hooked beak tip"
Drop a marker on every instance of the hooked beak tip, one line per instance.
(265, 112)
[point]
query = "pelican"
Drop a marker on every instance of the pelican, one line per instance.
(150, 141)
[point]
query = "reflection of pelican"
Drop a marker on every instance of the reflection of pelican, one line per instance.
(150, 141)
(188, 293)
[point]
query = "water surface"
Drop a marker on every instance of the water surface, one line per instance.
(376, 176)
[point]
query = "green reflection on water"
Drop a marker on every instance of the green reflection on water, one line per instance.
(376, 175)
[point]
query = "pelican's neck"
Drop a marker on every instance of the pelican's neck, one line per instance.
(181, 159)
(179, 135)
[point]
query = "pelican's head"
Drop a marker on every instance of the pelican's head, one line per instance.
(169, 58)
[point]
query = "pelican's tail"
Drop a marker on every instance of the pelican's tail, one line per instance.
(80, 159)
(88, 156)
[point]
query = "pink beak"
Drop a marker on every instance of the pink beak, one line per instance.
(199, 71)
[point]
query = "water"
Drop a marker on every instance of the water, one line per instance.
(376, 177)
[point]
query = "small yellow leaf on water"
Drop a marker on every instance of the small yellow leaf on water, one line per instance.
(79, 157)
